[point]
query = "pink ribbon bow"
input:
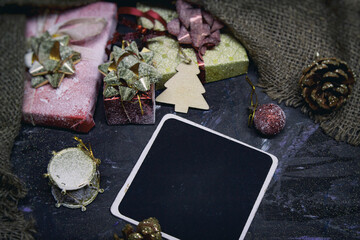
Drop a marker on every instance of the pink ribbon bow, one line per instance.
(195, 26)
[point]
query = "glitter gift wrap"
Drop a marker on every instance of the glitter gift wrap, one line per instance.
(129, 112)
(72, 104)
(129, 80)
(226, 60)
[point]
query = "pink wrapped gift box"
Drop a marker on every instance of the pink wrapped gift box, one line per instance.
(71, 105)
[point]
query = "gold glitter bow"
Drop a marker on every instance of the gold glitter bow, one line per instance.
(128, 72)
(51, 59)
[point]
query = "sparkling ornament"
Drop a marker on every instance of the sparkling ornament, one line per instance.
(73, 175)
(269, 119)
(148, 229)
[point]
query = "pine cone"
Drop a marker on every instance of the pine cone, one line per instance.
(326, 84)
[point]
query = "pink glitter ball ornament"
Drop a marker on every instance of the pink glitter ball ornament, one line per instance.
(269, 119)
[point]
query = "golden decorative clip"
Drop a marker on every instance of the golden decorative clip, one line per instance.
(87, 150)
(253, 105)
(187, 60)
(142, 111)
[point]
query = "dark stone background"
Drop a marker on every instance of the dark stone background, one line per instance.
(315, 192)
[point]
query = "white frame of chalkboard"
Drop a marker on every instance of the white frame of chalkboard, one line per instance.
(114, 207)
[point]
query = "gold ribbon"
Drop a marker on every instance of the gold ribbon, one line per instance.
(87, 150)
(186, 60)
(253, 103)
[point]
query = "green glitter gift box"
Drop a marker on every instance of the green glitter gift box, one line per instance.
(228, 59)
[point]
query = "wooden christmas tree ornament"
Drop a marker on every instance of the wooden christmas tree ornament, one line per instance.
(184, 89)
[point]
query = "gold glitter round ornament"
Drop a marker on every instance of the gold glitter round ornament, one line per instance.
(73, 175)
(71, 169)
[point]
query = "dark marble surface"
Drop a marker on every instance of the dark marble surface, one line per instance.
(315, 193)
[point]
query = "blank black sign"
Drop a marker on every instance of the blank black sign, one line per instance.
(197, 183)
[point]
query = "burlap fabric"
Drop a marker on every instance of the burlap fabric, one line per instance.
(284, 36)
(12, 69)
(12, 223)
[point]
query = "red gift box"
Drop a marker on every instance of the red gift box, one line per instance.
(131, 112)
(72, 104)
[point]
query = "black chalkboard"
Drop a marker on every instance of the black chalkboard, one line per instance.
(198, 183)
